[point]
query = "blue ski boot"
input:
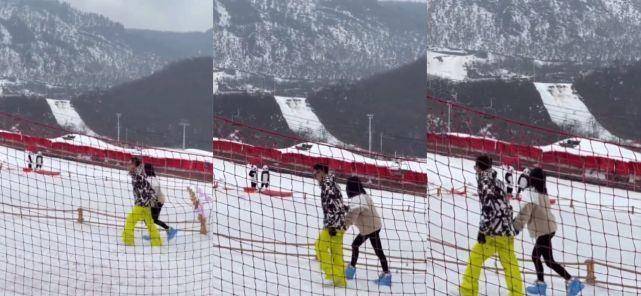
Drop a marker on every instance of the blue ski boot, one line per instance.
(171, 233)
(350, 272)
(385, 279)
(574, 287)
(537, 289)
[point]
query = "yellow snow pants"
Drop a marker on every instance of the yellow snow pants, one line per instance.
(329, 249)
(138, 214)
(504, 246)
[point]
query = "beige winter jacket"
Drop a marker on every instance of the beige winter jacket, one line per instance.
(536, 213)
(363, 214)
(155, 184)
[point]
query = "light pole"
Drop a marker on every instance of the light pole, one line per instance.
(449, 115)
(184, 124)
(369, 117)
(118, 124)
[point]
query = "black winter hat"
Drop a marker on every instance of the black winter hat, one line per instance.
(537, 180)
(136, 160)
(354, 187)
(483, 162)
(149, 170)
(321, 167)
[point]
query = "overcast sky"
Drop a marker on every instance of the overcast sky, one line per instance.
(165, 15)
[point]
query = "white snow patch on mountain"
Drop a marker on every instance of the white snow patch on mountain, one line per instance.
(448, 65)
(67, 117)
(567, 110)
(301, 119)
(5, 36)
(216, 81)
(4, 84)
(224, 15)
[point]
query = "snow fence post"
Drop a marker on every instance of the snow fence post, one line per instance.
(80, 216)
(590, 278)
(203, 224)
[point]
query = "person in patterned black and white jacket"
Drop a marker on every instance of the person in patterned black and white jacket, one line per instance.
(145, 198)
(496, 233)
(329, 245)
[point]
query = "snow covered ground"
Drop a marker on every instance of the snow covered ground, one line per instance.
(599, 226)
(47, 252)
(301, 119)
(266, 246)
(567, 110)
(67, 117)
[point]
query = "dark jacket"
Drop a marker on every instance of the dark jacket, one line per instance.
(496, 211)
(334, 209)
(145, 194)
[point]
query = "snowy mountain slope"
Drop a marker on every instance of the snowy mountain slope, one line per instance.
(68, 118)
(317, 39)
(459, 65)
(613, 95)
(50, 42)
(569, 112)
(150, 113)
(80, 48)
(583, 31)
(301, 119)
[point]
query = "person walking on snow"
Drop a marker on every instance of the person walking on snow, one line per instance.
(264, 178)
(253, 176)
(329, 245)
(496, 233)
(363, 214)
(39, 160)
(145, 198)
(541, 224)
(29, 159)
(523, 181)
(150, 172)
(509, 180)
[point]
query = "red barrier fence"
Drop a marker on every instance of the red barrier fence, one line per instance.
(254, 153)
(261, 154)
(179, 166)
(511, 154)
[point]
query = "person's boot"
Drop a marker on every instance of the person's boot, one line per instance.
(171, 233)
(350, 272)
(385, 279)
(538, 288)
(574, 287)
